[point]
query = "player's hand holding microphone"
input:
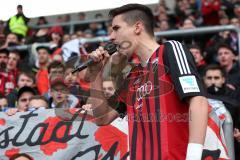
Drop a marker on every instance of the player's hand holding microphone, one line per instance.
(97, 60)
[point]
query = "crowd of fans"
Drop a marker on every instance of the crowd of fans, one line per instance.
(41, 78)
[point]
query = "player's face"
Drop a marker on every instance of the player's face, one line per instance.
(214, 77)
(123, 34)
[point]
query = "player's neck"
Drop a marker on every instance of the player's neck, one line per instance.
(146, 48)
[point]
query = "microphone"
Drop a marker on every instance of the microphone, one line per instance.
(109, 47)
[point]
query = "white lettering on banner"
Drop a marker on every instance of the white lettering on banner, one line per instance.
(59, 134)
(144, 90)
(189, 84)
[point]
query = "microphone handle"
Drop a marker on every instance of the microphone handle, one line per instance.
(83, 66)
(110, 47)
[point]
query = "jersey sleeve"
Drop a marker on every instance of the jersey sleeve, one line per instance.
(179, 63)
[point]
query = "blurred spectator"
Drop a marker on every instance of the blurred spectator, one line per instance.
(43, 56)
(66, 38)
(81, 27)
(183, 9)
(232, 38)
(56, 34)
(228, 6)
(12, 71)
(188, 24)
(24, 79)
(189, 39)
(3, 103)
(23, 98)
(237, 137)
(73, 36)
(18, 23)
(210, 10)
(2, 35)
(161, 7)
(237, 10)
(162, 26)
(60, 94)
(3, 72)
(215, 82)
(54, 68)
(41, 34)
(80, 34)
(224, 20)
(227, 59)
(11, 38)
(228, 37)
(41, 21)
(3, 59)
(81, 16)
(42, 74)
(162, 17)
(234, 21)
(58, 57)
(24, 95)
(72, 80)
(38, 102)
(108, 88)
(198, 57)
(66, 19)
(98, 16)
(96, 29)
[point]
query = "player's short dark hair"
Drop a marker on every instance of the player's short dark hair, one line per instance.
(136, 12)
(215, 67)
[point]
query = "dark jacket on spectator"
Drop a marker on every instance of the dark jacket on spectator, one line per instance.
(233, 76)
(12, 98)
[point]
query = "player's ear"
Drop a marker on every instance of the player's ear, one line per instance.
(138, 27)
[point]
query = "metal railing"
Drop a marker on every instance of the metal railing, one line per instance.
(170, 33)
(70, 24)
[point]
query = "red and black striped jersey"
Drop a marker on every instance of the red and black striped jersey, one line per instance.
(155, 97)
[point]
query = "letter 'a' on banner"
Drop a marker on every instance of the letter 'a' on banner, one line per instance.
(59, 134)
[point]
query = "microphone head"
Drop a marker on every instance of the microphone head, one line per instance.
(110, 47)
